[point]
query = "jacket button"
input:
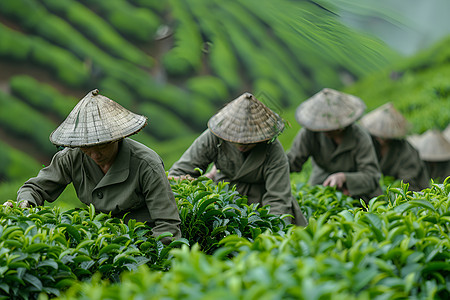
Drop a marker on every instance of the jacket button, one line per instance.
(99, 195)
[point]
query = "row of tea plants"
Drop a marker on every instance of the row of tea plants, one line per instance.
(395, 247)
(44, 250)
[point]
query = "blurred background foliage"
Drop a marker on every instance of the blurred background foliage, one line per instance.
(179, 61)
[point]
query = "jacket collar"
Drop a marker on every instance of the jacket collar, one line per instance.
(254, 160)
(120, 169)
(348, 142)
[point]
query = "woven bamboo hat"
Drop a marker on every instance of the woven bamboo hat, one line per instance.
(329, 110)
(246, 120)
(446, 133)
(96, 120)
(432, 146)
(386, 122)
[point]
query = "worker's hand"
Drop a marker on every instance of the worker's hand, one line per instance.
(8, 203)
(22, 204)
(212, 173)
(181, 177)
(337, 180)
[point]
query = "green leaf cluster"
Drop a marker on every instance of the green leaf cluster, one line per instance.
(396, 247)
(43, 250)
(209, 212)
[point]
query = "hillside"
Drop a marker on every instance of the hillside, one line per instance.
(418, 86)
(177, 62)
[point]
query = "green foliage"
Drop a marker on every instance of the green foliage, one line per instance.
(170, 150)
(417, 87)
(209, 212)
(318, 200)
(98, 30)
(395, 248)
(116, 90)
(163, 124)
(21, 120)
(16, 165)
(136, 23)
(42, 96)
(63, 64)
(44, 250)
(185, 58)
(209, 87)
(14, 46)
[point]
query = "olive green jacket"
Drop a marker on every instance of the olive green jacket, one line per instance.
(438, 170)
(355, 157)
(262, 174)
(135, 183)
(402, 161)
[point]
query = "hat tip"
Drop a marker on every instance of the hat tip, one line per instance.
(248, 95)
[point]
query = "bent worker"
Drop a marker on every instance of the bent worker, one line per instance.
(434, 150)
(342, 152)
(241, 141)
(397, 157)
(109, 170)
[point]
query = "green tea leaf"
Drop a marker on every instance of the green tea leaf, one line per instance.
(204, 204)
(163, 235)
(33, 280)
(71, 230)
(179, 242)
(39, 247)
(109, 249)
(422, 203)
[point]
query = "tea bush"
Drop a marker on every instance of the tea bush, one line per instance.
(43, 250)
(209, 212)
(19, 119)
(98, 30)
(397, 247)
(16, 165)
(43, 97)
(135, 23)
(14, 46)
(64, 65)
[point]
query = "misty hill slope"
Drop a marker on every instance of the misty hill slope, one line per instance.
(418, 86)
(177, 62)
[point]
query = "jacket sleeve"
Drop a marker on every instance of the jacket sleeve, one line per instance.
(277, 181)
(160, 201)
(50, 181)
(366, 179)
(299, 152)
(200, 154)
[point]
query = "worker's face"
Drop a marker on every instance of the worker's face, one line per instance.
(334, 133)
(244, 147)
(102, 154)
(382, 142)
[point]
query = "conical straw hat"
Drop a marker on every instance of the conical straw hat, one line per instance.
(246, 120)
(414, 140)
(446, 133)
(96, 120)
(432, 146)
(385, 122)
(329, 110)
